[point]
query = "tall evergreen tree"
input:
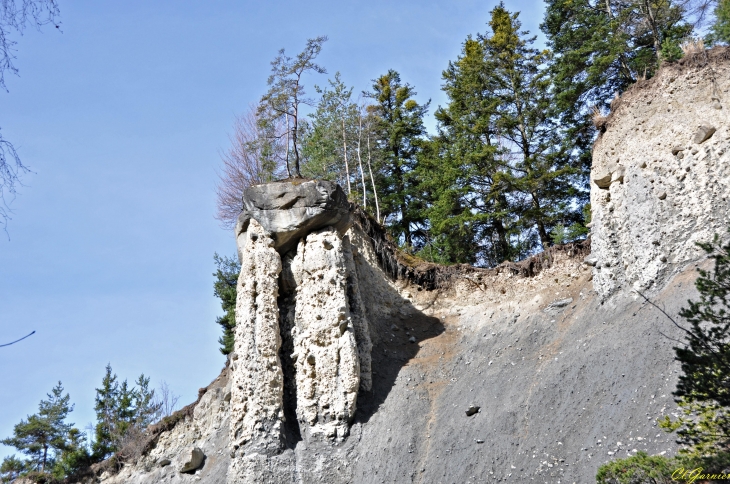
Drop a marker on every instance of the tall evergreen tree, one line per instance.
(703, 389)
(720, 29)
(601, 47)
(122, 413)
(468, 214)
(328, 145)
(498, 179)
(224, 288)
(398, 132)
(538, 175)
(105, 406)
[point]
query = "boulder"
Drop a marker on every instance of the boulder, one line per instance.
(291, 209)
(194, 461)
(473, 409)
(703, 133)
(602, 179)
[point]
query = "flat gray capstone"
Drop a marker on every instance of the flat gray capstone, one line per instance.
(291, 209)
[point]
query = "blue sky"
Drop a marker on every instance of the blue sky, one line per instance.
(122, 117)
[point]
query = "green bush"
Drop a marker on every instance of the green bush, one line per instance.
(671, 51)
(638, 469)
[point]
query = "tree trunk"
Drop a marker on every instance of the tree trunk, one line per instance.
(372, 180)
(359, 162)
(297, 173)
(654, 30)
(502, 253)
(344, 152)
(288, 170)
(401, 189)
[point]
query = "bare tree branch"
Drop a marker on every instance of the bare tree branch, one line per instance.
(21, 339)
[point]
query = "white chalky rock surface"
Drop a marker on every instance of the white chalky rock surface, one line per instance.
(327, 362)
(666, 191)
(257, 379)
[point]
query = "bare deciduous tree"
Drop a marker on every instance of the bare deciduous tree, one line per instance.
(257, 155)
(15, 16)
(165, 400)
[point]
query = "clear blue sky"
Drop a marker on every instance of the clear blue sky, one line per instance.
(122, 118)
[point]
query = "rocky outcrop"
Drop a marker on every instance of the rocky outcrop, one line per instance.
(258, 382)
(291, 209)
(302, 338)
(354, 363)
(328, 317)
(661, 174)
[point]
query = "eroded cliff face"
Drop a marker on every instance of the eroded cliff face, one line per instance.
(352, 365)
(660, 179)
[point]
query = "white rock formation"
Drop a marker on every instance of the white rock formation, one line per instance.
(331, 322)
(327, 359)
(258, 381)
(660, 179)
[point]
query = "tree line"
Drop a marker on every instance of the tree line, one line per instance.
(506, 173)
(53, 449)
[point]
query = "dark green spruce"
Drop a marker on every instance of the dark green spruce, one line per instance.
(224, 288)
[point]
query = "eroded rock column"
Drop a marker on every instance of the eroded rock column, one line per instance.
(258, 381)
(326, 356)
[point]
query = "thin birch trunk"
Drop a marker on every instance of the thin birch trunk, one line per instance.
(344, 150)
(359, 161)
(372, 180)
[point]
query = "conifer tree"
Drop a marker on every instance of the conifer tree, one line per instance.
(468, 214)
(538, 175)
(703, 389)
(398, 131)
(720, 30)
(224, 288)
(601, 47)
(282, 103)
(328, 145)
(122, 413)
(498, 179)
(46, 439)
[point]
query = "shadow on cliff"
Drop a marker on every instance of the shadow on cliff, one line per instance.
(396, 326)
(396, 340)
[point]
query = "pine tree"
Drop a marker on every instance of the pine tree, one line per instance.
(224, 288)
(538, 175)
(43, 437)
(11, 469)
(328, 145)
(497, 178)
(106, 415)
(123, 412)
(282, 103)
(720, 30)
(468, 214)
(398, 133)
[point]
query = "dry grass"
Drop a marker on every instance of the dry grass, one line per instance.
(599, 120)
(693, 46)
